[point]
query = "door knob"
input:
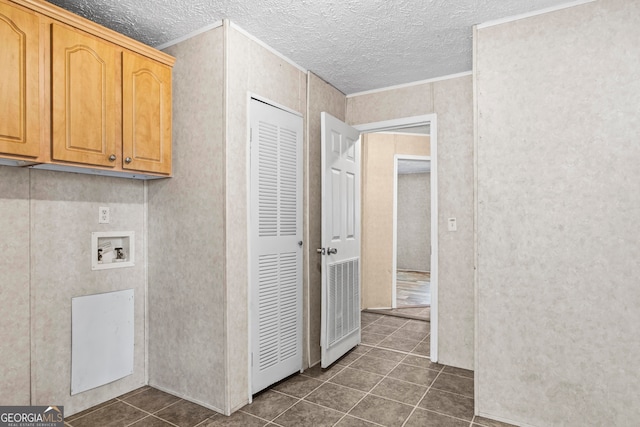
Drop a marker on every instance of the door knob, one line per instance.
(320, 251)
(112, 158)
(331, 251)
(127, 160)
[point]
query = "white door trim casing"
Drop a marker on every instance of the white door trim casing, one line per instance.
(430, 119)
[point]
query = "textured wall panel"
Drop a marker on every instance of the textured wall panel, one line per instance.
(186, 234)
(452, 101)
(64, 209)
(558, 205)
(254, 69)
(322, 97)
(14, 289)
(414, 222)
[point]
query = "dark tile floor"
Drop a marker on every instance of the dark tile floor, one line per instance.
(386, 381)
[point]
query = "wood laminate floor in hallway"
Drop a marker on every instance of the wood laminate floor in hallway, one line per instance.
(413, 296)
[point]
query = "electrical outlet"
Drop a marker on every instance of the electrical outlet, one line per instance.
(451, 224)
(103, 215)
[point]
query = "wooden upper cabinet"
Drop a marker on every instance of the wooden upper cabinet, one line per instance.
(20, 85)
(146, 114)
(78, 96)
(86, 109)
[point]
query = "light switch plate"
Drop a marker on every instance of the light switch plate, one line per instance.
(452, 225)
(103, 215)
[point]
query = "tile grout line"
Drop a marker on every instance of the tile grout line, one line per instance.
(274, 419)
(423, 396)
(135, 407)
(153, 416)
(150, 413)
(431, 387)
(327, 381)
(201, 423)
(93, 411)
(165, 407)
(363, 397)
(416, 406)
(440, 371)
(369, 393)
(102, 406)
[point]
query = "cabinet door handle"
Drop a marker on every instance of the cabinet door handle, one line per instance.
(127, 160)
(112, 158)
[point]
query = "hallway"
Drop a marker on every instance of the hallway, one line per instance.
(386, 381)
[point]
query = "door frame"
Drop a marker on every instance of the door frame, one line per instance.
(394, 260)
(431, 120)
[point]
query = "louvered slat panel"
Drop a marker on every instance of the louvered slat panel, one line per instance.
(268, 301)
(288, 199)
(354, 296)
(331, 303)
(289, 296)
(343, 300)
(268, 180)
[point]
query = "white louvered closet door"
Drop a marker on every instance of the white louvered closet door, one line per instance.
(276, 252)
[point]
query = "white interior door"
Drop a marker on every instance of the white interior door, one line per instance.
(340, 250)
(276, 244)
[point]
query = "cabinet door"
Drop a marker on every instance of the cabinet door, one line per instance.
(20, 119)
(146, 114)
(86, 112)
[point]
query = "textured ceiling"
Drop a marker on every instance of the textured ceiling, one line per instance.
(356, 45)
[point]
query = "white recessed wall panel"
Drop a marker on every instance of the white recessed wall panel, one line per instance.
(101, 339)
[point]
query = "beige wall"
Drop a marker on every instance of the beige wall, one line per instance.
(378, 151)
(414, 222)
(558, 209)
(251, 68)
(322, 97)
(15, 346)
(46, 220)
(452, 101)
(186, 234)
(202, 211)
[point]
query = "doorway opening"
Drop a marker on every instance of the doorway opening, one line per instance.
(411, 286)
(409, 125)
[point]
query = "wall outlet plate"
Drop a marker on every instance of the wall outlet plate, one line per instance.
(103, 215)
